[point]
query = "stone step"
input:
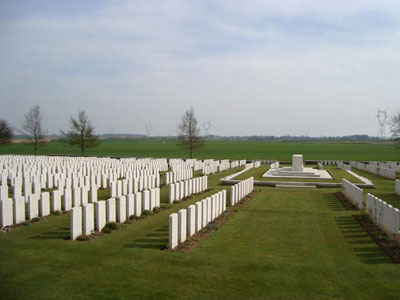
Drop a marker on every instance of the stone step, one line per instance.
(294, 186)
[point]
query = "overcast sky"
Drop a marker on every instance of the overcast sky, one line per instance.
(261, 67)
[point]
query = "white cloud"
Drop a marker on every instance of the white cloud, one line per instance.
(133, 63)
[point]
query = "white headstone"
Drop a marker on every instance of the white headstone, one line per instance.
(121, 209)
(88, 219)
(19, 210)
(191, 211)
(111, 212)
(76, 197)
(130, 205)
(93, 193)
(199, 216)
(173, 231)
(182, 225)
(146, 200)
(44, 204)
(56, 200)
(67, 199)
(33, 207)
(138, 204)
(100, 215)
(6, 212)
(76, 222)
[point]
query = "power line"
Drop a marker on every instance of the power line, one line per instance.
(206, 127)
(148, 129)
(382, 118)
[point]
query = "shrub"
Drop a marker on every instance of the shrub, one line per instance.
(57, 213)
(156, 210)
(25, 223)
(34, 220)
(106, 230)
(83, 238)
(146, 212)
(133, 218)
(112, 226)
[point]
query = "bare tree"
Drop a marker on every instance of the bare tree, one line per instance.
(189, 132)
(81, 133)
(395, 126)
(6, 133)
(32, 127)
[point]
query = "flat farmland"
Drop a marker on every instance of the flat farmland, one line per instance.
(222, 150)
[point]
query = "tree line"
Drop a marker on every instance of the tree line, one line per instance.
(81, 132)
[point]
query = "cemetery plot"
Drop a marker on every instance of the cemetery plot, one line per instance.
(283, 242)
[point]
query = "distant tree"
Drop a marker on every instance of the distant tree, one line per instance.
(81, 133)
(6, 133)
(32, 127)
(395, 126)
(189, 132)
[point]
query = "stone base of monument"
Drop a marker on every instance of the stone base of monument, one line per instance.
(297, 170)
(307, 173)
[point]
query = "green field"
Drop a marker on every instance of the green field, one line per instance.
(284, 244)
(223, 149)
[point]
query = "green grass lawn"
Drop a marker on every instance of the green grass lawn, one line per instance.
(285, 244)
(336, 173)
(223, 149)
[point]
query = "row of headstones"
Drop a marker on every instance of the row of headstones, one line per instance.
(329, 162)
(25, 161)
(389, 164)
(131, 186)
(75, 178)
(175, 176)
(224, 165)
(274, 165)
(353, 193)
(180, 164)
(186, 223)
(375, 169)
(34, 169)
(20, 208)
(384, 215)
(182, 189)
(241, 190)
(208, 170)
(60, 181)
(235, 164)
(112, 210)
(397, 187)
(344, 166)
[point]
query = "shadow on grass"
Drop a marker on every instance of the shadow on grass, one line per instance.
(333, 203)
(157, 239)
(52, 235)
(361, 243)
